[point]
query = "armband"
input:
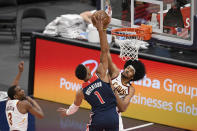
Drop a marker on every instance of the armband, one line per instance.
(72, 109)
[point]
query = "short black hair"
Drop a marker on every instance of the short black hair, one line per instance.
(81, 72)
(11, 92)
(139, 67)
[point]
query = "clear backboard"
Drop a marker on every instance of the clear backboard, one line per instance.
(173, 21)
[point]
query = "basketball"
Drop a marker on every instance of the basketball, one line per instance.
(104, 17)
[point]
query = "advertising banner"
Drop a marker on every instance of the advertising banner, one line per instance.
(166, 95)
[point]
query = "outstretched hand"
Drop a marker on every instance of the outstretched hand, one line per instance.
(20, 70)
(98, 23)
(21, 66)
(62, 111)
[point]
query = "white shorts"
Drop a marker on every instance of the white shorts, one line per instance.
(120, 122)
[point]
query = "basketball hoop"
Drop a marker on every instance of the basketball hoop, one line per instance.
(130, 39)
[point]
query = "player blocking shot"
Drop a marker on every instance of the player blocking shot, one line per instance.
(133, 70)
(96, 89)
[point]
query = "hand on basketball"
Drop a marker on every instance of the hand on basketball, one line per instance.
(100, 20)
(21, 66)
(62, 111)
(98, 23)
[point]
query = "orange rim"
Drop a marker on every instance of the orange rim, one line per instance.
(117, 32)
(143, 32)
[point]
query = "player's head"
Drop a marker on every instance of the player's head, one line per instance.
(15, 92)
(82, 72)
(134, 70)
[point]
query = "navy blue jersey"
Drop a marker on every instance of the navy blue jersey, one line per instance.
(99, 94)
(103, 102)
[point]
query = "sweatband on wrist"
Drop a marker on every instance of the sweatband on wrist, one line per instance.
(72, 109)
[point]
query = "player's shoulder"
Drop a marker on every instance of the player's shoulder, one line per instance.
(132, 87)
(115, 74)
(80, 91)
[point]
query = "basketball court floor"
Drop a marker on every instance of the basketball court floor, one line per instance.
(52, 120)
(77, 122)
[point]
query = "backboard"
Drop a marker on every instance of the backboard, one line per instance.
(173, 21)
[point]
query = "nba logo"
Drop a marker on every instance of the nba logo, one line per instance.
(108, 9)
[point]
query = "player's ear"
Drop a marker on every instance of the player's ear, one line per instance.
(132, 77)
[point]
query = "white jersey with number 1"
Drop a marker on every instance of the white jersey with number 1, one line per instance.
(16, 120)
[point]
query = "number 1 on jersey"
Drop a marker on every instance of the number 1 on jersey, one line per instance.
(99, 97)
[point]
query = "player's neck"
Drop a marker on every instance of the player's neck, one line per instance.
(124, 80)
(89, 77)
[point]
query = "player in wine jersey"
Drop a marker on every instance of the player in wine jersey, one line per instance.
(18, 105)
(96, 90)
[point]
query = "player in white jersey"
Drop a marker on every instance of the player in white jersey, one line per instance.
(16, 120)
(122, 83)
(18, 105)
(133, 70)
(121, 80)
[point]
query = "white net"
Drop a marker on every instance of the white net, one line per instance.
(130, 40)
(128, 48)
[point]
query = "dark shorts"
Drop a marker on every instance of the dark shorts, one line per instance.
(95, 128)
(105, 120)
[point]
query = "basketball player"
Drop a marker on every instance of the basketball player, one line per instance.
(97, 92)
(18, 105)
(133, 71)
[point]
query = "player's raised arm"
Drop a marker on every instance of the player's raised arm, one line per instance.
(34, 108)
(99, 23)
(113, 69)
(18, 76)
